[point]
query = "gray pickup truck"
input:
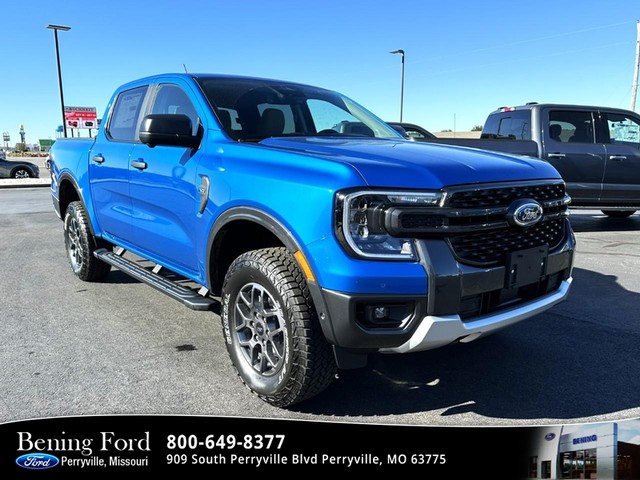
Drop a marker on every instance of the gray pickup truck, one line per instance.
(595, 149)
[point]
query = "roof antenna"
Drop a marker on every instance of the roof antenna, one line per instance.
(185, 68)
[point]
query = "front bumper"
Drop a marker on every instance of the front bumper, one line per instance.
(434, 331)
(462, 303)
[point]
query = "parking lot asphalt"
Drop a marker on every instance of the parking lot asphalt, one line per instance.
(74, 348)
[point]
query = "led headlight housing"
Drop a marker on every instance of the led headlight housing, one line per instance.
(377, 224)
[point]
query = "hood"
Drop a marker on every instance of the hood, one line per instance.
(405, 164)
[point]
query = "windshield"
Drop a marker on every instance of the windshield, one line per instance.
(254, 109)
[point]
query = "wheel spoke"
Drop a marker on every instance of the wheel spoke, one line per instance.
(273, 354)
(245, 316)
(245, 300)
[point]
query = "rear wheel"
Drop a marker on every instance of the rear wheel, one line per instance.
(80, 245)
(618, 213)
(270, 327)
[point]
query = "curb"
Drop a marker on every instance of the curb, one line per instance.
(25, 183)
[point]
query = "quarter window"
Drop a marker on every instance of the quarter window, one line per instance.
(126, 112)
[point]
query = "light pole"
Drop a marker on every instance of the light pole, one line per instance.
(401, 52)
(55, 29)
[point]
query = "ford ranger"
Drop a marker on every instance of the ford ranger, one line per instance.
(321, 247)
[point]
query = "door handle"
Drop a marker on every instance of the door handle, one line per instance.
(556, 155)
(139, 164)
(98, 158)
(617, 158)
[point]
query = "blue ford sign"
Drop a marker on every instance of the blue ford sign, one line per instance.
(37, 461)
(549, 436)
(524, 213)
(586, 439)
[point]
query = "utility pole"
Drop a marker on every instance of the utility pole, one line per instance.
(634, 88)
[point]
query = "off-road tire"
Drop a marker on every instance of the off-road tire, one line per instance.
(618, 213)
(271, 328)
(80, 245)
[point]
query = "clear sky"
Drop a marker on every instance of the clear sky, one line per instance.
(463, 58)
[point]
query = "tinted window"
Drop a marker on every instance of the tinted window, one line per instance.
(515, 125)
(571, 126)
(124, 119)
(173, 100)
(255, 109)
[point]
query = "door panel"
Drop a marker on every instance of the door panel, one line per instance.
(163, 189)
(109, 165)
(622, 172)
(570, 147)
(164, 202)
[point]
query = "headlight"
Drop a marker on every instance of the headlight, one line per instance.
(364, 224)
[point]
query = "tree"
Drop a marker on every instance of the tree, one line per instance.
(477, 128)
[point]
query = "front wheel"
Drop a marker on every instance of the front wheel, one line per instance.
(21, 173)
(271, 330)
(80, 245)
(618, 213)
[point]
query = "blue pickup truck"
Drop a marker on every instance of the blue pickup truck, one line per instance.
(318, 247)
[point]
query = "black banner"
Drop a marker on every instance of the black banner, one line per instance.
(107, 446)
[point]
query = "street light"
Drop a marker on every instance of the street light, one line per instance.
(55, 29)
(401, 52)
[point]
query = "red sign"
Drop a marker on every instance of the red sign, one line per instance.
(80, 117)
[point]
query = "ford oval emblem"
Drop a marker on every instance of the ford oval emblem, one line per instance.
(549, 436)
(37, 461)
(524, 213)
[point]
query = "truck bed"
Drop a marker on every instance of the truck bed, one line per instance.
(516, 147)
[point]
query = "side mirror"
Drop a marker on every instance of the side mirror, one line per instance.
(168, 129)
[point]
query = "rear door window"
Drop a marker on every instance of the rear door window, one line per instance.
(622, 130)
(126, 114)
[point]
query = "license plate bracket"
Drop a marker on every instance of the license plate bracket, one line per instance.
(525, 267)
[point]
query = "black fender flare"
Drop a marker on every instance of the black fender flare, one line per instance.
(252, 215)
(68, 177)
(288, 240)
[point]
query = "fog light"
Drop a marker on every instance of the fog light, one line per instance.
(381, 312)
(394, 315)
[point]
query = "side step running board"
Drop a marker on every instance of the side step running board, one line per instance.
(187, 296)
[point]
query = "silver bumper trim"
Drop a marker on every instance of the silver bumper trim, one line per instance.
(437, 331)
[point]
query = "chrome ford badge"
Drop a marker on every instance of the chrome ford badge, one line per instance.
(524, 213)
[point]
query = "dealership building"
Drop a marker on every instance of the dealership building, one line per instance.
(589, 451)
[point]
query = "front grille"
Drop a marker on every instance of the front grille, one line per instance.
(477, 245)
(493, 246)
(494, 197)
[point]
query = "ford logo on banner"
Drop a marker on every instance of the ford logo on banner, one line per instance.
(37, 461)
(549, 436)
(524, 213)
